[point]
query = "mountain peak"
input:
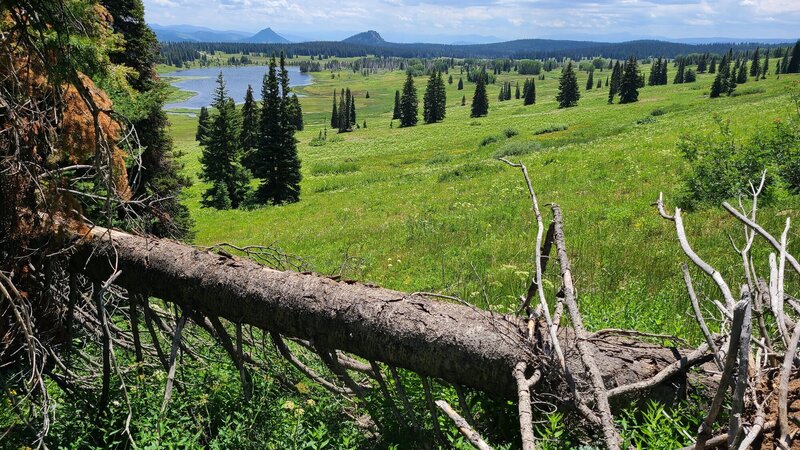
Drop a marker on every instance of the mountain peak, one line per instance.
(266, 36)
(370, 37)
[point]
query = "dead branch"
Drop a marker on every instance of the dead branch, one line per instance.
(463, 427)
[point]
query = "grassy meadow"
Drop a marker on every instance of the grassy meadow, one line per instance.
(429, 208)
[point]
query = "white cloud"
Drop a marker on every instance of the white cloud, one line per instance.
(507, 19)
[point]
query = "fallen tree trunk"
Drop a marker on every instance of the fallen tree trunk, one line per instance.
(454, 342)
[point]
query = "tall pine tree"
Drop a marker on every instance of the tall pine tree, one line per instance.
(793, 65)
(334, 113)
(221, 154)
(480, 100)
(590, 81)
(568, 92)
(408, 103)
(249, 135)
(628, 87)
(203, 124)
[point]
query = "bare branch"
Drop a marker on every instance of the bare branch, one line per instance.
(463, 427)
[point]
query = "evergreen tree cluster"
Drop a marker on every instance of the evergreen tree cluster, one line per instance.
(343, 115)
(529, 92)
(658, 73)
(435, 99)
(681, 74)
(725, 81)
(505, 92)
(260, 143)
(630, 82)
(616, 78)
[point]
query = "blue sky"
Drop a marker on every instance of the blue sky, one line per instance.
(444, 21)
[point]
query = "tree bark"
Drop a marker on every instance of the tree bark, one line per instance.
(454, 342)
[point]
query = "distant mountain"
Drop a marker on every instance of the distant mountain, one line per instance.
(370, 37)
(266, 36)
(191, 33)
(724, 40)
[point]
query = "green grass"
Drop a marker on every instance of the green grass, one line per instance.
(428, 208)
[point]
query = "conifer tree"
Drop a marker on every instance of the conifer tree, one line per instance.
(480, 101)
(203, 124)
(507, 95)
(702, 65)
(221, 154)
(530, 92)
(463, 100)
(689, 76)
(262, 162)
(793, 65)
(249, 133)
(450, 79)
(568, 92)
(606, 80)
(628, 88)
(396, 112)
(755, 66)
(334, 113)
(613, 89)
(517, 93)
(741, 77)
(721, 84)
(433, 108)
(655, 70)
(681, 72)
(765, 66)
(460, 83)
(713, 67)
(286, 185)
(352, 109)
(408, 103)
(296, 113)
(590, 81)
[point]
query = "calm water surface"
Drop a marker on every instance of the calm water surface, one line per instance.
(204, 81)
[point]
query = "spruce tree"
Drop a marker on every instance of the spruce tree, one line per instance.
(203, 124)
(793, 65)
(741, 77)
(463, 100)
(450, 79)
(681, 72)
(721, 81)
(430, 100)
(296, 113)
(334, 113)
(590, 81)
(568, 92)
(352, 109)
(713, 67)
(628, 88)
(530, 92)
(480, 101)
(765, 66)
(507, 95)
(249, 133)
(613, 88)
(702, 64)
(262, 162)
(441, 97)
(460, 83)
(408, 103)
(517, 93)
(689, 76)
(221, 154)
(286, 184)
(755, 66)
(396, 111)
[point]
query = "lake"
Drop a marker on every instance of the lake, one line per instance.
(204, 81)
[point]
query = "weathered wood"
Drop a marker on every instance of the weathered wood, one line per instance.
(454, 342)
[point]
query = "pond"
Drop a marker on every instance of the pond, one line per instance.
(203, 81)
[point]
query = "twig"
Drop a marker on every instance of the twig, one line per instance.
(783, 388)
(401, 391)
(524, 404)
(173, 354)
(310, 373)
(610, 434)
(742, 373)
(698, 314)
(463, 427)
(437, 429)
(730, 359)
